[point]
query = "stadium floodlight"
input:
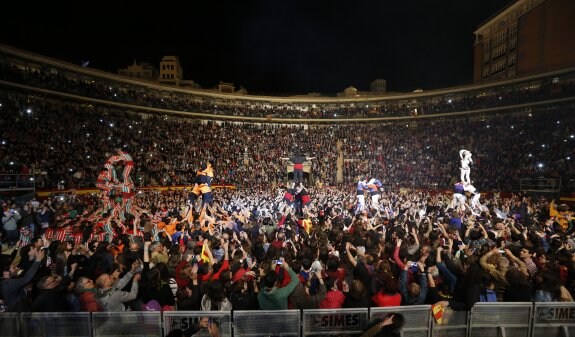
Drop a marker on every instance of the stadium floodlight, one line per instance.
(540, 165)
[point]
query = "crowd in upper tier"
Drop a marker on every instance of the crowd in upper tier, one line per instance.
(67, 81)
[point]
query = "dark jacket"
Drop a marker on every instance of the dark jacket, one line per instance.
(13, 290)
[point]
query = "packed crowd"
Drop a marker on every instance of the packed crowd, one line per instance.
(64, 143)
(250, 250)
(68, 81)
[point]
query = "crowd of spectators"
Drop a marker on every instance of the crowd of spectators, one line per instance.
(66, 143)
(250, 251)
(88, 85)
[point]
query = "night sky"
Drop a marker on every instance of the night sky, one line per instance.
(269, 47)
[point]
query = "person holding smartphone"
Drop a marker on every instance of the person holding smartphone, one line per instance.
(272, 297)
(10, 220)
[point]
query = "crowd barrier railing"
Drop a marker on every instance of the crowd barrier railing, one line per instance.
(189, 321)
(525, 319)
(417, 318)
(9, 324)
(267, 323)
(554, 319)
(127, 324)
(453, 324)
(324, 322)
(69, 324)
(501, 319)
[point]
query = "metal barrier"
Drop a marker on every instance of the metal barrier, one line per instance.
(127, 323)
(321, 322)
(192, 322)
(417, 318)
(525, 319)
(44, 324)
(454, 324)
(267, 323)
(554, 319)
(501, 319)
(9, 324)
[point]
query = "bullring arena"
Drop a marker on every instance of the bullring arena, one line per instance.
(136, 209)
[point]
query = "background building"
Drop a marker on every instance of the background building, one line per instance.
(143, 71)
(171, 71)
(527, 37)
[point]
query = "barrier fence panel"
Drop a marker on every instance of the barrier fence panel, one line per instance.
(417, 318)
(554, 319)
(340, 322)
(198, 322)
(127, 323)
(9, 324)
(267, 323)
(453, 324)
(55, 324)
(501, 319)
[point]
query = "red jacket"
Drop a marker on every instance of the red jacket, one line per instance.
(384, 300)
(333, 300)
(88, 302)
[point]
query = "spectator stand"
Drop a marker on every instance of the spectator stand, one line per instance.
(554, 319)
(267, 323)
(190, 321)
(417, 318)
(501, 319)
(323, 322)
